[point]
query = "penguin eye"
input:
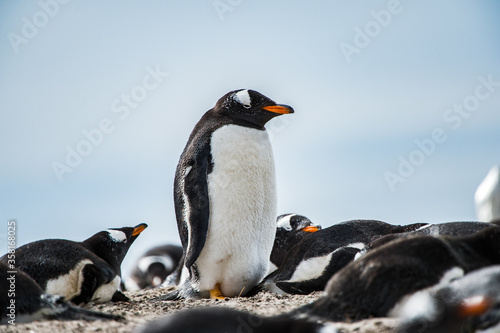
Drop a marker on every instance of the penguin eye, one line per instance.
(247, 106)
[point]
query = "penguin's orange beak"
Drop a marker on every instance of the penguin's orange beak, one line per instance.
(139, 228)
(311, 228)
(279, 108)
(474, 306)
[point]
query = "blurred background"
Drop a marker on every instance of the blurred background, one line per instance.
(397, 107)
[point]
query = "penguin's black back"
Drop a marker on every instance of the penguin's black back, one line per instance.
(48, 259)
(373, 284)
(27, 292)
(453, 229)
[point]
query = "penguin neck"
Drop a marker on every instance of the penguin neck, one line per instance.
(112, 255)
(486, 244)
(246, 123)
(283, 242)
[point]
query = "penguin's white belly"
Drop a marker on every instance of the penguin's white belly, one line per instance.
(242, 194)
(70, 284)
(106, 291)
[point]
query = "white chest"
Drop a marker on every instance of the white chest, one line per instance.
(242, 184)
(242, 194)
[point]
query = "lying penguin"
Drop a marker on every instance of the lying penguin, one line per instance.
(312, 262)
(80, 271)
(455, 229)
(153, 267)
(468, 304)
(225, 197)
(290, 230)
(22, 300)
(220, 319)
(374, 284)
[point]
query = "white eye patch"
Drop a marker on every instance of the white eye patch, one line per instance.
(117, 235)
(243, 97)
(284, 222)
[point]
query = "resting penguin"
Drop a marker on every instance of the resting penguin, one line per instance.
(373, 285)
(290, 230)
(310, 264)
(153, 267)
(22, 300)
(80, 271)
(454, 229)
(468, 304)
(220, 319)
(225, 197)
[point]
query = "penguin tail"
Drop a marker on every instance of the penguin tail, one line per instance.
(58, 308)
(255, 290)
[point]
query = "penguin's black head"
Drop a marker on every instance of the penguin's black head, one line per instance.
(246, 106)
(294, 222)
(112, 244)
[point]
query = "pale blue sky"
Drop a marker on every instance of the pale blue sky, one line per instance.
(353, 119)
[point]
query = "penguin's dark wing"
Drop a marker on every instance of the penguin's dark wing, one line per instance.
(191, 196)
(92, 279)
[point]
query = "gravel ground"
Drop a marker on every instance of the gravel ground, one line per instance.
(143, 307)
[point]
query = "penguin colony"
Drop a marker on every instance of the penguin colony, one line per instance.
(434, 277)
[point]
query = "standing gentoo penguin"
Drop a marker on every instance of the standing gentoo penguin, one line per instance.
(311, 263)
(225, 197)
(221, 319)
(22, 300)
(153, 267)
(487, 196)
(375, 284)
(469, 304)
(290, 230)
(80, 271)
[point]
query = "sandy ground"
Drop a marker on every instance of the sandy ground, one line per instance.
(143, 307)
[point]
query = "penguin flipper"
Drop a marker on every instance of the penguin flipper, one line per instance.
(89, 285)
(192, 204)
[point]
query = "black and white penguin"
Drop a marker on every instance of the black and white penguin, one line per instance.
(311, 263)
(80, 271)
(153, 267)
(468, 304)
(22, 300)
(290, 230)
(221, 319)
(375, 284)
(225, 197)
(455, 229)
(487, 196)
